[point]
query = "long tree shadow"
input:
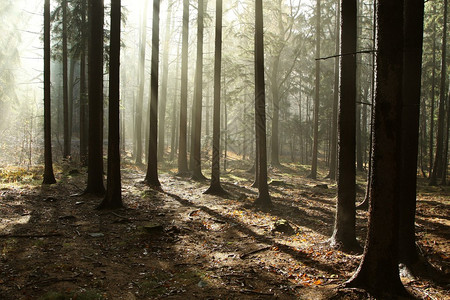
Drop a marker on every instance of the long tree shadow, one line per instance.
(294, 253)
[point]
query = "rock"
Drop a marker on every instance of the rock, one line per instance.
(96, 234)
(283, 226)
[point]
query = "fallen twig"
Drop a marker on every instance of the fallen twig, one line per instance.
(245, 255)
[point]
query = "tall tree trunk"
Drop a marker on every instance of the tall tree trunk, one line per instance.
(333, 156)
(140, 99)
(215, 187)
(275, 143)
(378, 271)
(151, 178)
(84, 132)
(263, 199)
(438, 160)
(165, 75)
(315, 149)
(49, 177)
(433, 93)
(182, 152)
(446, 140)
(412, 72)
(174, 108)
(195, 155)
(66, 148)
(344, 234)
(95, 154)
(71, 99)
(113, 196)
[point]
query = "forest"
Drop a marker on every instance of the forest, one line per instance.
(227, 149)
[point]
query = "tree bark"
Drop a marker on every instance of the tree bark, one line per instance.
(344, 234)
(113, 196)
(66, 152)
(49, 177)
(95, 155)
(84, 132)
(378, 271)
(151, 178)
(182, 150)
(263, 199)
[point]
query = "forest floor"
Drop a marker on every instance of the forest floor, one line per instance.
(179, 243)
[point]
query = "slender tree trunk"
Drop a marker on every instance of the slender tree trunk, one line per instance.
(95, 154)
(275, 142)
(71, 100)
(378, 271)
(84, 132)
(182, 153)
(113, 196)
(333, 156)
(344, 234)
(263, 199)
(66, 151)
(438, 160)
(195, 155)
(174, 108)
(140, 99)
(215, 187)
(315, 149)
(412, 72)
(433, 93)
(49, 177)
(446, 140)
(151, 177)
(165, 76)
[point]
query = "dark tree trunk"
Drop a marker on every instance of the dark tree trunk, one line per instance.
(215, 187)
(433, 93)
(438, 160)
(412, 71)
(165, 76)
(195, 155)
(113, 196)
(95, 154)
(182, 152)
(344, 235)
(446, 140)
(333, 156)
(84, 132)
(378, 271)
(151, 178)
(263, 199)
(49, 177)
(140, 99)
(66, 151)
(315, 149)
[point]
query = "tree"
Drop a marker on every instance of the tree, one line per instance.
(215, 187)
(113, 196)
(344, 234)
(263, 199)
(182, 152)
(313, 173)
(95, 87)
(140, 100)
(151, 178)
(378, 271)
(66, 151)
(412, 71)
(84, 132)
(195, 155)
(49, 177)
(438, 160)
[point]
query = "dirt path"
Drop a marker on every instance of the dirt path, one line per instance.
(180, 243)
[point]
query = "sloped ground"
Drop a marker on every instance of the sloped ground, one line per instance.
(181, 244)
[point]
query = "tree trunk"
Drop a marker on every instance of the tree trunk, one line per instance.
(151, 178)
(140, 99)
(275, 143)
(313, 174)
(182, 152)
(333, 156)
(165, 75)
(84, 132)
(95, 155)
(433, 93)
(215, 187)
(438, 160)
(49, 177)
(263, 199)
(344, 235)
(378, 271)
(195, 155)
(66, 152)
(113, 196)
(174, 108)
(412, 72)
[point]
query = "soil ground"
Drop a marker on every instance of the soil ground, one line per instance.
(179, 243)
